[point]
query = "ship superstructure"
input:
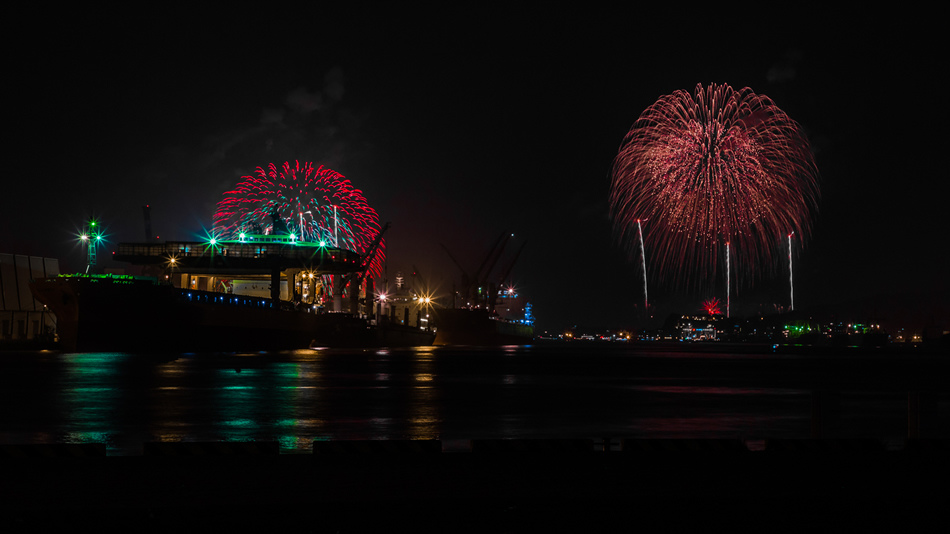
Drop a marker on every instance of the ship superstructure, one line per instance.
(255, 292)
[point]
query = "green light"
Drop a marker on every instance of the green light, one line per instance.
(213, 241)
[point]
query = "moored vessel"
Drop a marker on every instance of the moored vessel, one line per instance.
(478, 327)
(485, 313)
(135, 313)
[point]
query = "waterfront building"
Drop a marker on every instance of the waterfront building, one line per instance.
(22, 317)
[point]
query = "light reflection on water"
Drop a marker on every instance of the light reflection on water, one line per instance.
(423, 407)
(297, 397)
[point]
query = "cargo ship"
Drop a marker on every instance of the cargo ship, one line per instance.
(248, 292)
(478, 327)
(481, 313)
(136, 313)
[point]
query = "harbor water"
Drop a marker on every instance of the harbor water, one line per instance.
(453, 394)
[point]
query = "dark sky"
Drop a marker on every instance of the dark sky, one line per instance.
(461, 125)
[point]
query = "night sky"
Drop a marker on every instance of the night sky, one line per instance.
(461, 125)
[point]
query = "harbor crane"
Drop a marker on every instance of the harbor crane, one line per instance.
(472, 285)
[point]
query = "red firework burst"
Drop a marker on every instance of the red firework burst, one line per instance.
(713, 167)
(711, 307)
(313, 203)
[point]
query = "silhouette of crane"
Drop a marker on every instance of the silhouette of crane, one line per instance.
(478, 289)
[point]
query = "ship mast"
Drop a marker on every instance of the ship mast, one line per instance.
(90, 238)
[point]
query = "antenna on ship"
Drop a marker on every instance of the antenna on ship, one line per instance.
(90, 237)
(147, 214)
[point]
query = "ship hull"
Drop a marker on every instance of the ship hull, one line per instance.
(138, 315)
(398, 335)
(478, 328)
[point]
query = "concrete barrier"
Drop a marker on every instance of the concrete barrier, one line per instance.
(927, 445)
(53, 450)
(824, 445)
(210, 448)
(683, 445)
(377, 447)
(535, 446)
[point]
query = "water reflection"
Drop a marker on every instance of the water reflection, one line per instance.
(424, 400)
(89, 397)
(124, 401)
(297, 397)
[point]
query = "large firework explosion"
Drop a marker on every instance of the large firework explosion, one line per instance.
(316, 204)
(715, 167)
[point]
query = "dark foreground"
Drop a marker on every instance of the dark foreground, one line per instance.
(854, 487)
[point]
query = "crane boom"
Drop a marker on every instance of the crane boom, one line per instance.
(492, 253)
(494, 296)
(358, 276)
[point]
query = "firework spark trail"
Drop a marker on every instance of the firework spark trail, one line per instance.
(319, 203)
(643, 259)
(728, 282)
(791, 287)
(717, 165)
